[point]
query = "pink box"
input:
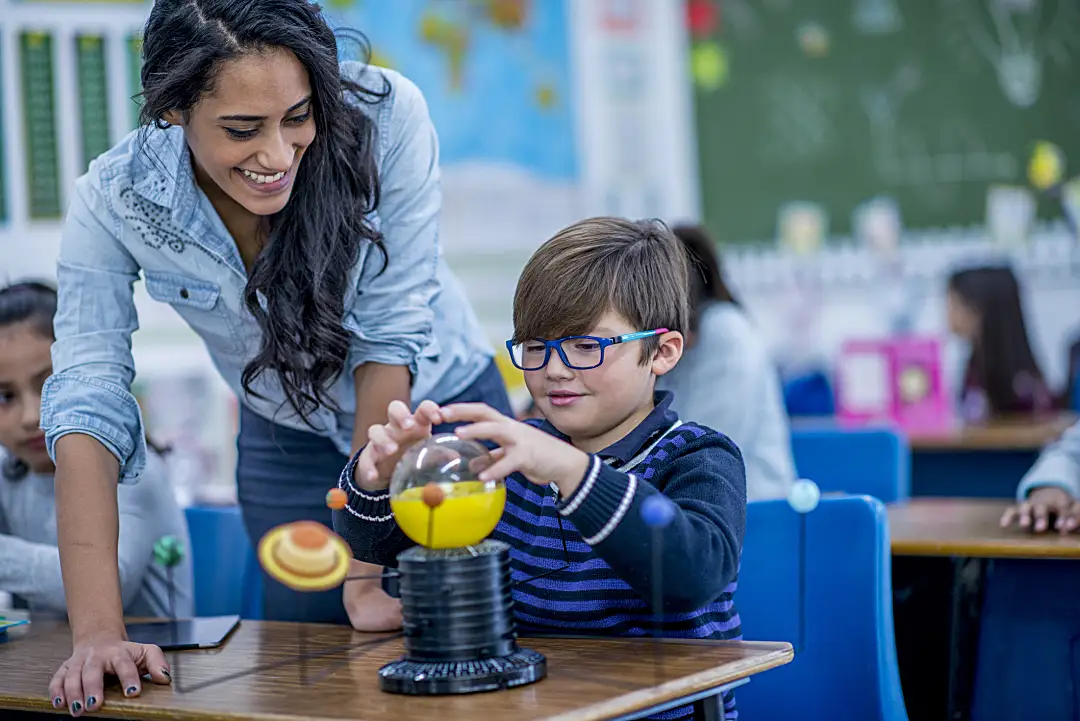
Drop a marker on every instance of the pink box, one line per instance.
(896, 380)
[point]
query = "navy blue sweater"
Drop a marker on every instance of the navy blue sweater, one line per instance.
(607, 588)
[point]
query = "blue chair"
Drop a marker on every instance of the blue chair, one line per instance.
(874, 461)
(227, 577)
(809, 394)
(845, 653)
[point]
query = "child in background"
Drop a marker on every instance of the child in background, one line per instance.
(599, 314)
(29, 558)
(1002, 376)
(726, 379)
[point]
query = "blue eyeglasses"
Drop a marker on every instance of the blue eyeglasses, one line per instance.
(579, 352)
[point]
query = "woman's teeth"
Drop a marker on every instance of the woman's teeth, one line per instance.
(262, 179)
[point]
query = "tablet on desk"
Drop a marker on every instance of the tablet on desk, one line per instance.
(185, 633)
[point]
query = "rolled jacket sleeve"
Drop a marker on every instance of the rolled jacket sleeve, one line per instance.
(1058, 466)
(392, 319)
(89, 391)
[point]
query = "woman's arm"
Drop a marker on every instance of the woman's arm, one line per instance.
(392, 319)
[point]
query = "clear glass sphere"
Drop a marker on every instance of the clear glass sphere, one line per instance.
(437, 498)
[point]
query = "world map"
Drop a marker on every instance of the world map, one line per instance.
(495, 74)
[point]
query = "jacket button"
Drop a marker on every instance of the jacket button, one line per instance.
(184, 293)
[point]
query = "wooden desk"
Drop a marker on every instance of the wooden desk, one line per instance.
(1014, 434)
(587, 678)
(969, 527)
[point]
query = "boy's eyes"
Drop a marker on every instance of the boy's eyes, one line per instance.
(534, 347)
(586, 346)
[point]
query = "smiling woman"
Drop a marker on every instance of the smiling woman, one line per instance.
(287, 206)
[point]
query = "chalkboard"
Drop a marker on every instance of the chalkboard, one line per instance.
(93, 96)
(930, 103)
(39, 120)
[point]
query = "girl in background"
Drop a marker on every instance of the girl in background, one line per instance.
(29, 557)
(726, 379)
(1002, 376)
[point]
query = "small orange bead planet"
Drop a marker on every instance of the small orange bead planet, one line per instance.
(336, 499)
(432, 495)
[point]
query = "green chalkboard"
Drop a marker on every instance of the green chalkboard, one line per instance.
(93, 96)
(39, 121)
(834, 103)
(134, 48)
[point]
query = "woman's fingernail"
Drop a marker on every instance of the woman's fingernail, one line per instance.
(57, 702)
(90, 701)
(167, 674)
(76, 707)
(132, 690)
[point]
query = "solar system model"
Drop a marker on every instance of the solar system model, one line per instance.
(457, 609)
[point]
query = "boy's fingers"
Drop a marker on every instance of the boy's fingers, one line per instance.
(1041, 516)
(429, 413)
(381, 440)
(400, 416)
(470, 412)
(1072, 520)
(503, 469)
(487, 431)
(1008, 516)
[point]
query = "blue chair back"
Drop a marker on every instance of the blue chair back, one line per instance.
(227, 578)
(871, 461)
(845, 656)
(810, 394)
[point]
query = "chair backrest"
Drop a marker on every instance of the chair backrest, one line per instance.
(227, 578)
(874, 461)
(846, 666)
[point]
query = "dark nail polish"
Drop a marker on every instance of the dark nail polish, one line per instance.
(166, 672)
(132, 690)
(57, 702)
(90, 701)
(76, 707)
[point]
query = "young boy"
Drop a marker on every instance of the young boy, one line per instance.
(599, 314)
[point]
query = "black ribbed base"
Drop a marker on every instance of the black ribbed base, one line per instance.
(431, 678)
(457, 613)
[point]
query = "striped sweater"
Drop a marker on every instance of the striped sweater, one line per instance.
(607, 588)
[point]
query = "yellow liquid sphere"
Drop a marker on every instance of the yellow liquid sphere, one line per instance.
(467, 515)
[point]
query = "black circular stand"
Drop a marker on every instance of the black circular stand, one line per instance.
(458, 621)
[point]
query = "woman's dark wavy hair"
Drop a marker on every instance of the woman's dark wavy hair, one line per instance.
(302, 270)
(1001, 354)
(706, 273)
(33, 303)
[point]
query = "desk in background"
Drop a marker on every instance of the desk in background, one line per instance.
(980, 461)
(1000, 602)
(587, 678)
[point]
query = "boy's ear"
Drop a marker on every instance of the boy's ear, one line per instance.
(668, 353)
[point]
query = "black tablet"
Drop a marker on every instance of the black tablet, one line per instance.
(185, 633)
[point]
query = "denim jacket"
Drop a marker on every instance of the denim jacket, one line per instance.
(138, 210)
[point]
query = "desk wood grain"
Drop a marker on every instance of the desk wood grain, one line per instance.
(587, 678)
(1010, 434)
(969, 527)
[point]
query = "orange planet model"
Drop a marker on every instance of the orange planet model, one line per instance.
(336, 499)
(305, 556)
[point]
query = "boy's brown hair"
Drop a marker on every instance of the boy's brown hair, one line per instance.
(638, 269)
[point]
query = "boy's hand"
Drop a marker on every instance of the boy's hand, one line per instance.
(1041, 505)
(538, 456)
(386, 443)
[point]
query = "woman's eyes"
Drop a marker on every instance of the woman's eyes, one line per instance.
(238, 134)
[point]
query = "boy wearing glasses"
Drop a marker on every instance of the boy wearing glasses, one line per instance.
(599, 312)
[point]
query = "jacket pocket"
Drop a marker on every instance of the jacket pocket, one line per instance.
(199, 303)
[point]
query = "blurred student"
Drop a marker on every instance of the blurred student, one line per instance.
(29, 557)
(1048, 497)
(726, 379)
(1002, 376)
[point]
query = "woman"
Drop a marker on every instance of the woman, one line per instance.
(29, 559)
(287, 208)
(1002, 376)
(726, 379)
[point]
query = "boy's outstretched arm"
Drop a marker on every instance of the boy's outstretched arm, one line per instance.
(706, 481)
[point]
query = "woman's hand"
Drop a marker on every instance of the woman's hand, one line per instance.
(1041, 505)
(80, 681)
(386, 443)
(540, 457)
